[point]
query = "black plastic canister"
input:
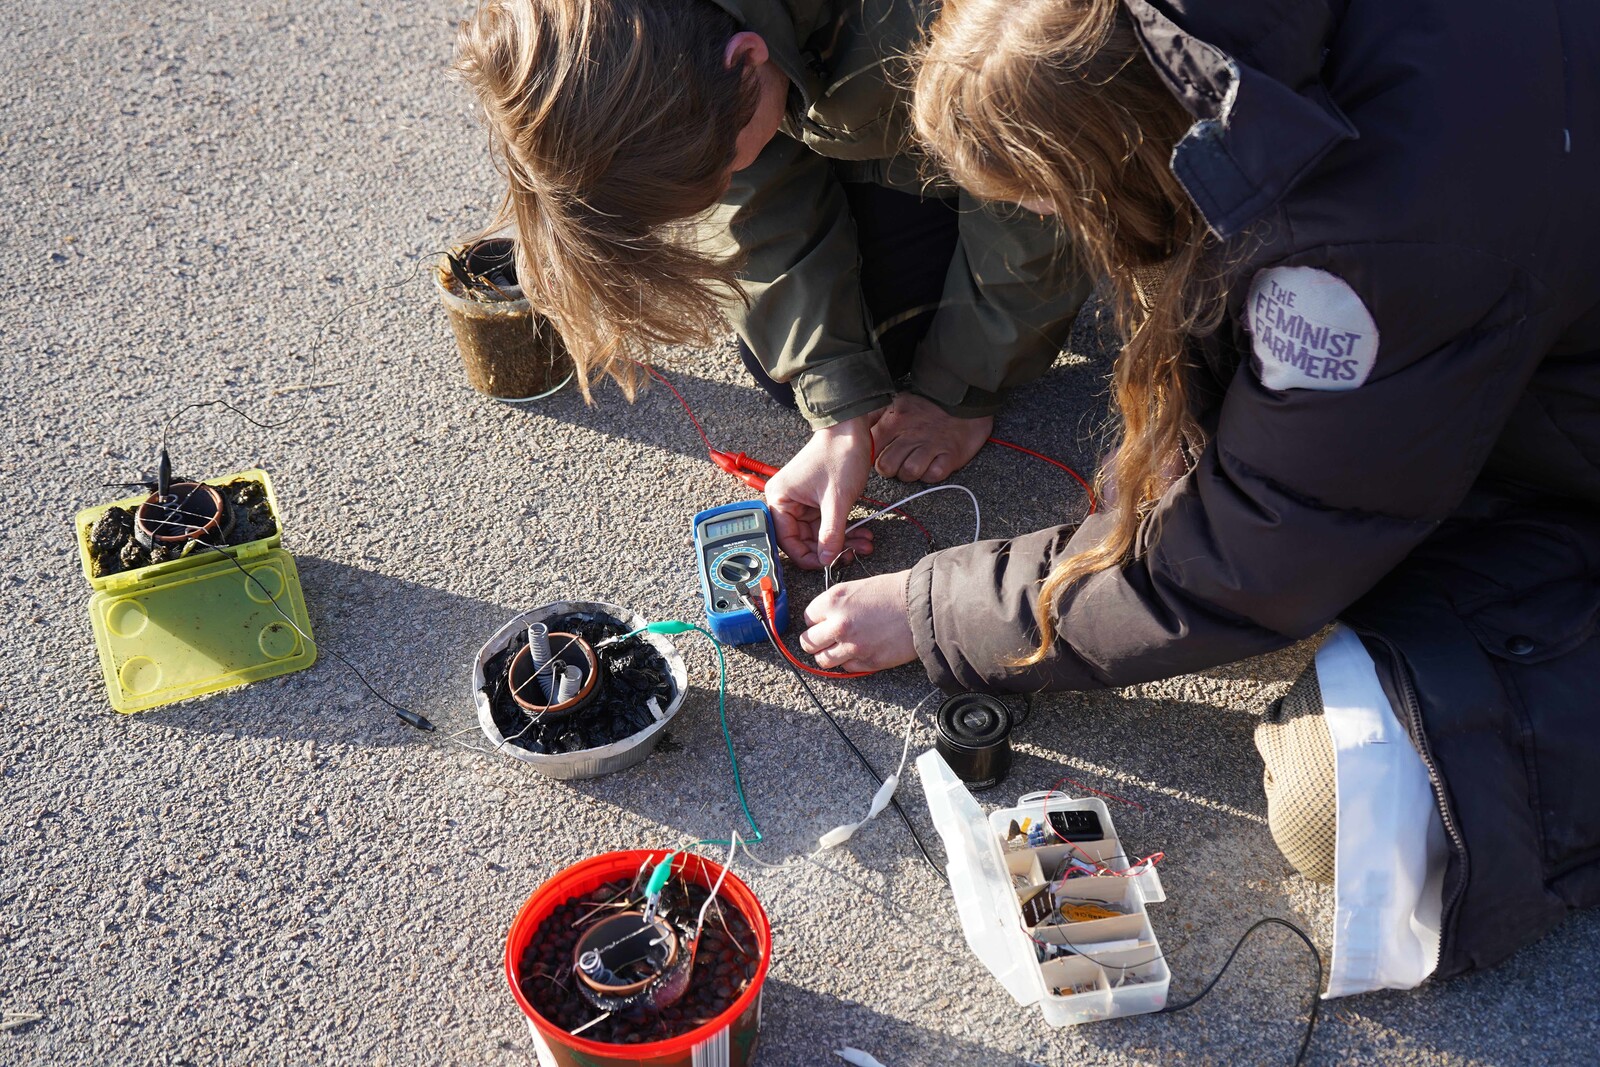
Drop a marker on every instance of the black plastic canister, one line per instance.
(975, 739)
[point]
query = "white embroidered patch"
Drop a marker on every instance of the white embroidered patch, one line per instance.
(1309, 330)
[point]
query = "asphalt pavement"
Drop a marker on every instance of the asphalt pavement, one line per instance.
(238, 202)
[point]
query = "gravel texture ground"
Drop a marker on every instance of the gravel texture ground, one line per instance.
(285, 873)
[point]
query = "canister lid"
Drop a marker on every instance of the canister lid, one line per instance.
(980, 883)
(199, 630)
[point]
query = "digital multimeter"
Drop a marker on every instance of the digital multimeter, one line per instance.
(735, 546)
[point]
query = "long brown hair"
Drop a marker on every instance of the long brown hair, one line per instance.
(614, 122)
(1054, 101)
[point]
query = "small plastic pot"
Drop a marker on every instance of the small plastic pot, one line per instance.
(729, 1040)
(190, 511)
(510, 352)
(529, 695)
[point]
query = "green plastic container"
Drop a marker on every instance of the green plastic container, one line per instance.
(195, 625)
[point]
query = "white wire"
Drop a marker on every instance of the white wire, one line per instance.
(880, 800)
(977, 519)
(727, 865)
(736, 842)
(911, 724)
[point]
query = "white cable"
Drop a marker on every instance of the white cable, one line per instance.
(727, 865)
(880, 800)
(977, 519)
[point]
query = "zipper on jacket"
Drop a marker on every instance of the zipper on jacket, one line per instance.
(1413, 723)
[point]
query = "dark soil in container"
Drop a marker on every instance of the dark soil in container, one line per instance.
(631, 672)
(724, 965)
(486, 269)
(507, 349)
(113, 547)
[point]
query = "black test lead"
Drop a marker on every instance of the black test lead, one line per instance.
(164, 495)
(748, 597)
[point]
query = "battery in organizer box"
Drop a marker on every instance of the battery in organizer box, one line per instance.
(169, 631)
(1105, 965)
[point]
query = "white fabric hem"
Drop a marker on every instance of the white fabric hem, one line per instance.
(1391, 854)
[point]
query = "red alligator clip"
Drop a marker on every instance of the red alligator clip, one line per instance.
(751, 472)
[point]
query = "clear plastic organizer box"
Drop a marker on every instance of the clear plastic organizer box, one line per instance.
(1110, 967)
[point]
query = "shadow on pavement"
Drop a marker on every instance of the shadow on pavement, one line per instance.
(801, 1026)
(414, 643)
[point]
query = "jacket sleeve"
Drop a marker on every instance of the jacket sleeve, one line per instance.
(1010, 296)
(1303, 500)
(806, 321)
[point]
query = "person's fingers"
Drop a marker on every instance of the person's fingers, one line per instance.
(795, 536)
(820, 609)
(916, 464)
(834, 655)
(830, 525)
(820, 636)
(940, 468)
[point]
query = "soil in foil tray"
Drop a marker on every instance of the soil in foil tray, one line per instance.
(113, 547)
(631, 673)
(724, 964)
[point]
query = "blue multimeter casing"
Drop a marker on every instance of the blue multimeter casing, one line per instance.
(734, 543)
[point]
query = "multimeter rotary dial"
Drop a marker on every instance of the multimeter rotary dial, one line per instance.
(739, 565)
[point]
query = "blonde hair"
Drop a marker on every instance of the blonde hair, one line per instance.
(613, 121)
(1053, 100)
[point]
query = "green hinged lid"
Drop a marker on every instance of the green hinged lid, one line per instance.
(200, 629)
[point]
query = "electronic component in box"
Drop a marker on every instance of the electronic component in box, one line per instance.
(1061, 924)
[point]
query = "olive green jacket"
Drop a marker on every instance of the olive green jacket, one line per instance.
(1013, 285)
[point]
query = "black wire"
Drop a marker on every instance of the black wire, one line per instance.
(406, 715)
(217, 402)
(805, 684)
(1316, 987)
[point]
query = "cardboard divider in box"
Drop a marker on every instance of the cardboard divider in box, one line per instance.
(194, 625)
(1075, 977)
(1089, 978)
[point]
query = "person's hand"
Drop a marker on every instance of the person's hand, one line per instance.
(812, 495)
(918, 441)
(861, 626)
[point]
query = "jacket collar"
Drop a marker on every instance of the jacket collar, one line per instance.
(783, 26)
(1249, 71)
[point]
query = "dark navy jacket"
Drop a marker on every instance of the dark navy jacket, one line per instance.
(1404, 417)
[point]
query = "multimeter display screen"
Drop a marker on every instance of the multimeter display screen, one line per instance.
(740, 524)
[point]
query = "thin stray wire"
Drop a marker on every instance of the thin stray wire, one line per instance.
(977, 519)
(312, 356)
(727, 865)
(1316, 986)
(406, 714)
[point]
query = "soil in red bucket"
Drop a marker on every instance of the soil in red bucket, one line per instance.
(724, 964)
(113, 547)
(631, 673)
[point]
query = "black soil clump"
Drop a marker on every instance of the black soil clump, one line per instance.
(113, 547)
(631, 672)
(724, 965)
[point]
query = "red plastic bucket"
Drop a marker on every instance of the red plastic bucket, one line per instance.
(729, 1040)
